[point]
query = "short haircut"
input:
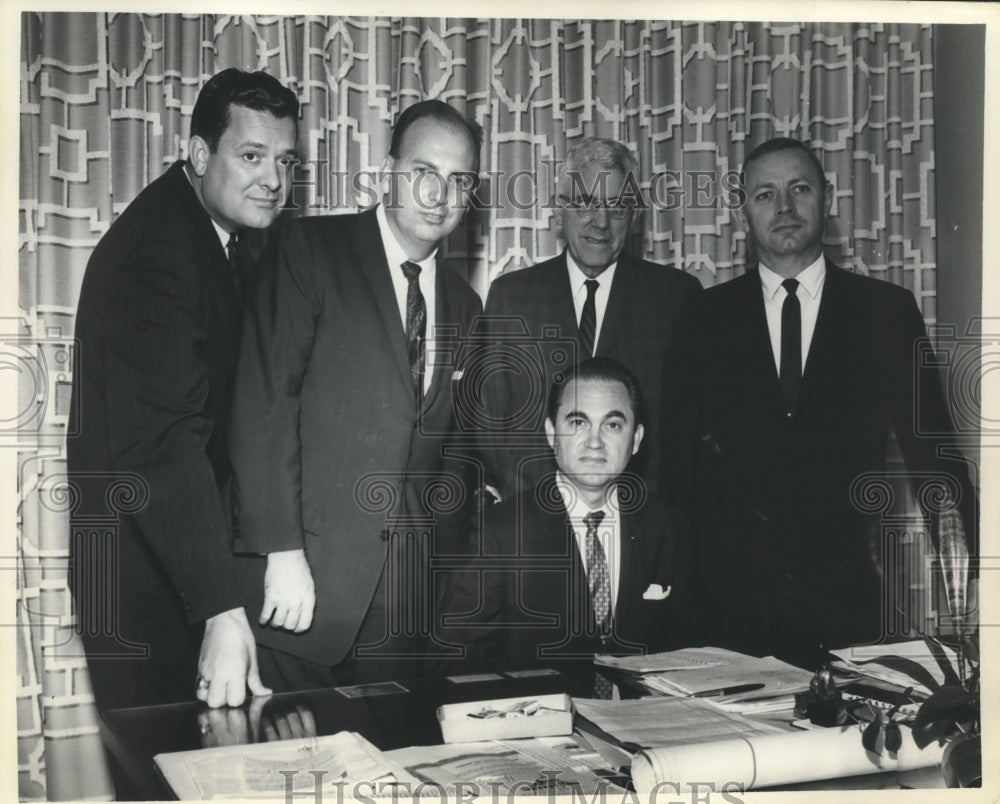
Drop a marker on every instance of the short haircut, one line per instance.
(233, 87)
(442, 113)
(783, 144)
(599, 368)
(608, 154)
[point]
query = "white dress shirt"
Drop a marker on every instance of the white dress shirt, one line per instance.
(577, 278)
(608, 532)
(809, 293)
(396, 256)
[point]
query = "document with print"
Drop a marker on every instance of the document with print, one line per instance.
(328, 765)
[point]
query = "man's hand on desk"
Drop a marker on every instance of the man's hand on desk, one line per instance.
(264, 720)
(228, 661)
(289, 593)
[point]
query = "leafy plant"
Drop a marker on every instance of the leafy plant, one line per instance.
(951, 714)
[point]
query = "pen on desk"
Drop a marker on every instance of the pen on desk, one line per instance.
(729, 690)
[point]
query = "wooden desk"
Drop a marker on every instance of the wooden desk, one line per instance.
(135, 736)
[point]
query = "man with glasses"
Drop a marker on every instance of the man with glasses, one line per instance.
(592, 299)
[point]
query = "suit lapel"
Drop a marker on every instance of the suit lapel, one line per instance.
(371, 255)
(618, 306)
(443, 338)
(826, 338)
(221, 273)
(628, 546)
(760, 356)
(563, 313)
(551, 534)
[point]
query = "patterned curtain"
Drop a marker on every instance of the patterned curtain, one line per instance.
(105, 106)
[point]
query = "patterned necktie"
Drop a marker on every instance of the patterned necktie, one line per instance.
(790, 373)
(231, 254)
(588, 320)
(598, 577)
(416, 325)
(599, 580)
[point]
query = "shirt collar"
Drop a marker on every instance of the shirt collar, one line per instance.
(577, 508)
(395, 255)
(222, 233)
(810, 279)
(577, 277)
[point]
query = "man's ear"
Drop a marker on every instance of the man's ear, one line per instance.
(740, 218)
(385, 171)
(640, 431)
(557, 212)
(550, 432)
(198, 155)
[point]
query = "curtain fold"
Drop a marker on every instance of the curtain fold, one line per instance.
(105, 107)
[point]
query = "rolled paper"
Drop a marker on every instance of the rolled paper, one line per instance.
(771, 760)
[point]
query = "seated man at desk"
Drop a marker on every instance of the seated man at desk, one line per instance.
(574, 566)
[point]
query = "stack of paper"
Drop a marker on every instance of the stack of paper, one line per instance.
(657, 721)
(729, 676)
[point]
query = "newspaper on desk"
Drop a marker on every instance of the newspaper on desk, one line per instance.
(549, 766)
(325, 765)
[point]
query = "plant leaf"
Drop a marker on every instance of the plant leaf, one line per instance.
(869, 737)
(893, 737)
(938, 715)
(941, 657)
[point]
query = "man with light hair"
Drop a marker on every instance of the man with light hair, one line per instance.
(593, 299)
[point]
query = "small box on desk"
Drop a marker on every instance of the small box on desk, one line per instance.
(506, 719)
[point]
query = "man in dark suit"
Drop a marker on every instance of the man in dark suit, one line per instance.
(577, 565)
(343, 403)
(593, 299)
(158, 326)
(784, 383)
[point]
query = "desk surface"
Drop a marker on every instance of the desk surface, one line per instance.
(401, 718)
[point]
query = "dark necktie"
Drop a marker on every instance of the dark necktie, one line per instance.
(791, 346)
(233, 266)
(588, 320)
(599, 580)
(416, 325)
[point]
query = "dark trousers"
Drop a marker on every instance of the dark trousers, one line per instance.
(378, 653)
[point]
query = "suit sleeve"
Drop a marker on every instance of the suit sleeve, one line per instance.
(492, 402)
(264, 440)
(922, 423)
(158, 394)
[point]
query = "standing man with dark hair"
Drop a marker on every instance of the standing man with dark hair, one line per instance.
(577, 565)
(344, 399)
(158, 326)
(595, 297)
(784, 383)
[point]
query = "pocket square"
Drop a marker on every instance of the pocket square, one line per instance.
(656, 592)
(457, 374)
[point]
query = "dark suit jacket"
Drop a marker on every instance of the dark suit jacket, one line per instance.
(327, 440)
(158, 327)
(523, 600)
(530, 312)
(789, 560)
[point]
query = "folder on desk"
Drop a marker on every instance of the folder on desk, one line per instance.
(712, 671)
